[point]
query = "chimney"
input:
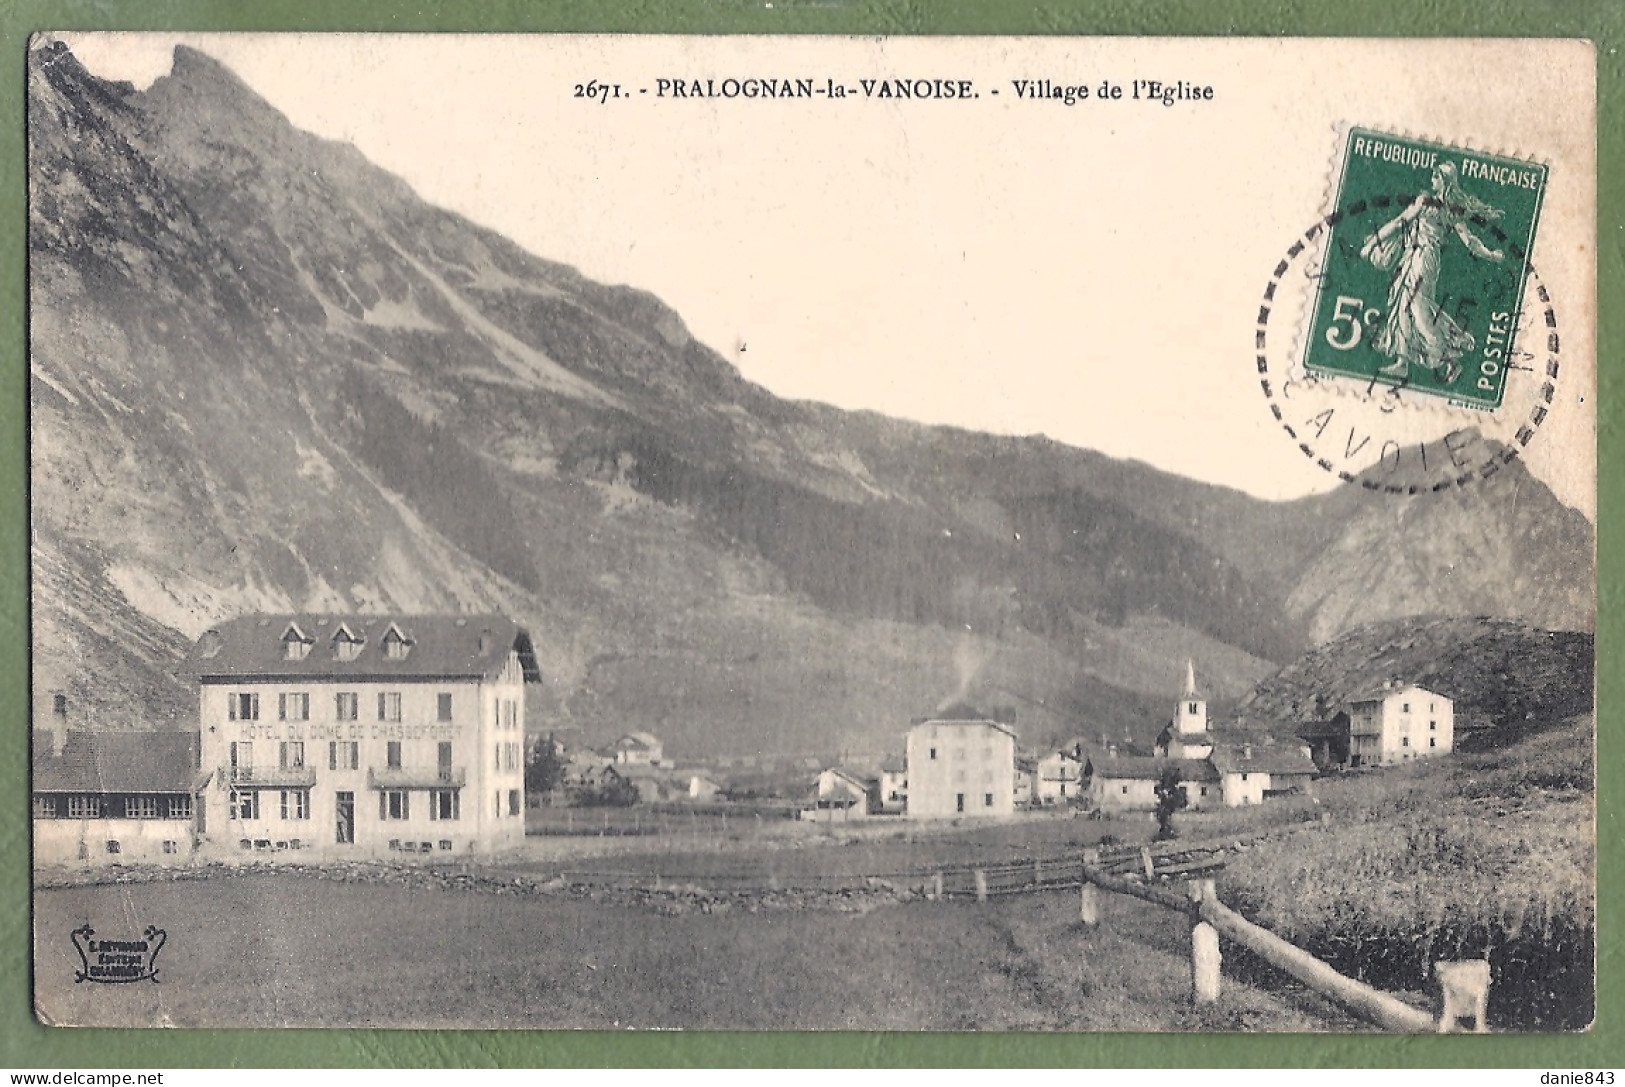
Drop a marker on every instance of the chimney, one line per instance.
(485, 641)
(1246, 751)
(56, 731)
(1111, 751)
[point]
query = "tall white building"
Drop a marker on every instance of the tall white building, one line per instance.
(1397, 723)
(961, 763)
(363, 735)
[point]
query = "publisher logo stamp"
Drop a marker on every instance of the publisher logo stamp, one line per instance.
(1422, 291)
(116, 962)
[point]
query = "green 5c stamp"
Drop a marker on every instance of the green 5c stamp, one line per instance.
(1423, 270)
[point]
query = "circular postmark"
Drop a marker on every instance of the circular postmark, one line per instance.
(1392, 373)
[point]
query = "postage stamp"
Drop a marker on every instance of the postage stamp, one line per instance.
(1426, 294)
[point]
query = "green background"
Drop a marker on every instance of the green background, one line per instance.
(26, 1045)
(1492, 287)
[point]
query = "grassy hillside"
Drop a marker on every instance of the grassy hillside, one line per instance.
(1490, 854)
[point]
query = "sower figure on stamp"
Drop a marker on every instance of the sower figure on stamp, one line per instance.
(1416, 329)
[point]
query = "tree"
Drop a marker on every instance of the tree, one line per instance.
(544, 767)
(1170, 798)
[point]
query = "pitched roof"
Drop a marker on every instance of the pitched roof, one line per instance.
(639, 739)
(961, 714)
(1137, 768)
(1377, 694)
(1337, 726)
(856, 779)
(441, 646)
(1266, 759)
(120, 762)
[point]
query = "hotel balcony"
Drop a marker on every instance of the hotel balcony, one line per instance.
(302, 777)
(417, 777)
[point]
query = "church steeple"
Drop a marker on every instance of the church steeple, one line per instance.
(1191, 717)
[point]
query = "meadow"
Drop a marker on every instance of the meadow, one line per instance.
(1490, 854)
(291, 948)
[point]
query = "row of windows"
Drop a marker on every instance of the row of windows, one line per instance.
(92, 806)
(114, 848)
(508, 756)
(959, 752)
(341, 754)
(346, 646)
(294, 804)
(295, 706)
(513, 805)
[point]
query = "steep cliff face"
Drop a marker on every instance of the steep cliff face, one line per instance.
(265, 375)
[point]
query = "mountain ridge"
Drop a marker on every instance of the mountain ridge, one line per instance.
(300, 386)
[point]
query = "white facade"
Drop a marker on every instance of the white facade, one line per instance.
(838, 797)
(96, 842)
(893, 790)
(959, 768)
(639, 749)
(1398, 724)
(341, 760)
(1060, 779)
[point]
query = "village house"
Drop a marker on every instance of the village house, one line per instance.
(115, 797)
(1328, 740)
(961, 763)
(1397, 723)
(893, 784)
(1252, 772)
(1129, 782)
(841, 796)
(639, 749)
(1059, 778)
(653, 784)
(703, 788)
(363, 735)
(1026, 781)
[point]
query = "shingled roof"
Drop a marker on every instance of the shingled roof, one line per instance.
(1263, 759)
(435, 647)
(120, 762)
(1136, 768)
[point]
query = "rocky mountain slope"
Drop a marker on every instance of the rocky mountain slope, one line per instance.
(1506, 678)
(265, 375)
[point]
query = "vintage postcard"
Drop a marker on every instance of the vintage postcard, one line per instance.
(927, 534)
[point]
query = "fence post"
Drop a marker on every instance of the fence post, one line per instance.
(936, 886)
(981, 885)
(1205, 959)
(1038, 872)
(1464, 990)
(1205, 956)
(1145, 859)
(1089, 898)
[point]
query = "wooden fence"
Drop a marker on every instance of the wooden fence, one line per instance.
(1464, 985)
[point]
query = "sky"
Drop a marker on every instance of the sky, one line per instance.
(1091, 272)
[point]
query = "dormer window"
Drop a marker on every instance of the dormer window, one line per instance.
(396, 644)
(295, 646)
(346, 644)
